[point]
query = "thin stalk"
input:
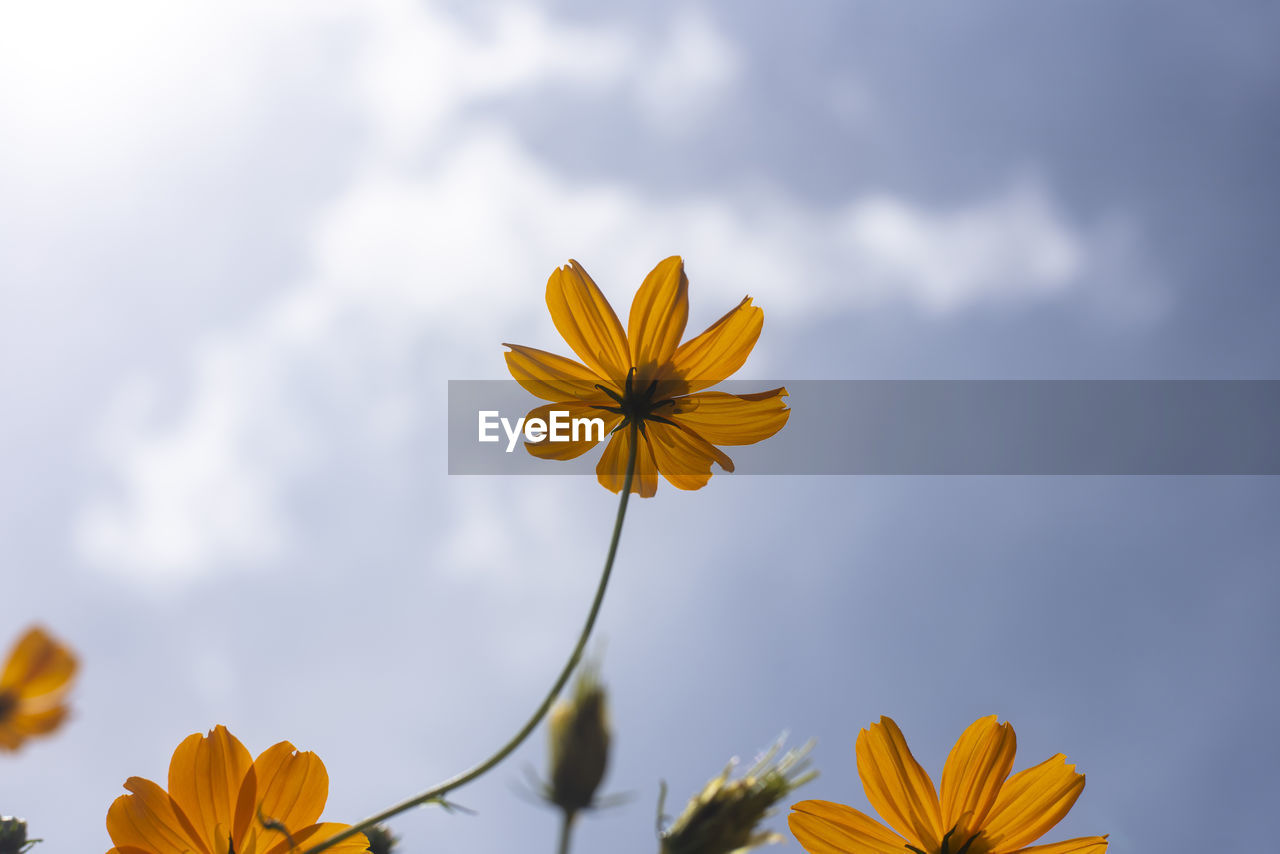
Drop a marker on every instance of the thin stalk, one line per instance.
(437, 792)
(566, 829)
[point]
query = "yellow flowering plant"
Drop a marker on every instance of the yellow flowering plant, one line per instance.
(982, 810)
(650, 389)
(221, 800)
(33, 688)
(652, 393)
(644, 378)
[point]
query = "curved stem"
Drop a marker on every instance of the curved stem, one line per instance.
(437, 792)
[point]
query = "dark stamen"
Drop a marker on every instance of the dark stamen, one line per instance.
(616, 397)
(8, 702)
(635, 405)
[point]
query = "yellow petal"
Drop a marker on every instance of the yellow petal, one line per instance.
(553, 377)
(658, 316)
(223, 841)
(147, 819)
(38, 721)
(975, 770)
(731, 419)
(37, 665)
(1080, 845)
(587, 323)
(308, 837)
(822, 827)
(1031, 802)
(684, 458)
(588, 435)
(646, 481)
(720, 350)
(10, 738)
(899, 789)
(205, 776)
(612, 469)
(244, 824)
(292, 786)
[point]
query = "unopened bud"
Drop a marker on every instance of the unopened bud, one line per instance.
(722, 818)
(381, 841)
(13, 836)
(579, 735)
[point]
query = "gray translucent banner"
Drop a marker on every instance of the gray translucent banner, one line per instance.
(1005, 427)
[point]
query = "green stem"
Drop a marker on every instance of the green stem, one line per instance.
(566, 828)
(437, 792)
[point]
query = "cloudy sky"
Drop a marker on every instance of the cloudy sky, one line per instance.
(244, 246)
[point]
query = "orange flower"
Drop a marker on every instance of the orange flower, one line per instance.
(643, 381)
(980, 812)
(220, 801)
(33, 688)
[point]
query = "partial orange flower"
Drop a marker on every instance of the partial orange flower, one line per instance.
(980, 812)
(644, 377)
(33, 688)
(220, 801)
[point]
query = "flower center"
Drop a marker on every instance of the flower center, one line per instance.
(637, 404)
(947, 842)
(8, 702)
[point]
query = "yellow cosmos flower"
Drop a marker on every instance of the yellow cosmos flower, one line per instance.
(981, 812)
(221, 801)
(33, 688)
(644, 382)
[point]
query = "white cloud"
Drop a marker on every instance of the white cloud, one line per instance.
(488, 212)
(1014, 245)
(89, 89)
(434, 260)
(693, 64)
(418, 68)
(202, 487)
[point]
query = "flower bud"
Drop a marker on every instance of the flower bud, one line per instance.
(381, 840)
(722, 818)
(13, 835)
(579, 742)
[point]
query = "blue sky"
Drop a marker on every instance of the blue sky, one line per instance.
(244, 246)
